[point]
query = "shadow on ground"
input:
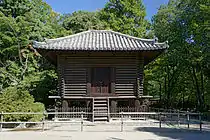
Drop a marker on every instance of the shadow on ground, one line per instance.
(178, 134)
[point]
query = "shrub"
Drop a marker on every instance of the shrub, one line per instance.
(14, 99)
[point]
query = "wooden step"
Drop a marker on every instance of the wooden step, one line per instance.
(100, 108)
(100, 98)
(100, 101)
(100, 111)
(98, 105)
(101, 114)
(100, 118)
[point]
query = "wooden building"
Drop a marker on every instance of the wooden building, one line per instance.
(102, 69)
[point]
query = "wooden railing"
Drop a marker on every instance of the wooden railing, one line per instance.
(75, 115)
(125, 119)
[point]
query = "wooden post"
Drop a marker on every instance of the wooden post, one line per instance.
(108, 110)
(65, 106)
(158, 112)
(138, 86)
(1, 123)
(113, 108)
(200, 121)
(188, 119)
(88, 81)
(113, 80)
(178, 117)
(121, 121)
(160, 120)
(137, 105)
(43, 121)
(56, 110)
(93, 110)
(82, 121)
(140, 75)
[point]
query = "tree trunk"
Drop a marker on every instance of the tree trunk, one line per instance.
(160, 94)
(198, 90)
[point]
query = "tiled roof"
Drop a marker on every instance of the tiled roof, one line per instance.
(100, 40)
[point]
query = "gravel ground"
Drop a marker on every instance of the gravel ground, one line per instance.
(132, 130)
(50, 135)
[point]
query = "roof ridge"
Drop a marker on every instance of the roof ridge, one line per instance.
(66, 37)
(125, 35)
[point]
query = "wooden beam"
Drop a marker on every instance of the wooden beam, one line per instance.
(140, 75)
(61, 80)
(113, 80)
(88, 81)
(110, 97)
(113, 106)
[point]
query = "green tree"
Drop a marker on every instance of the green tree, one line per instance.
(184, 66)
(125, 16)
(15, 8)
(82, 21)
(20, 64)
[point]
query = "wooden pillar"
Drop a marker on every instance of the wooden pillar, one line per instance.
(56, 109)
(55, 104)
(89, 81)
(113, 106)
(137, 105)
(140, 75)
(65, 106)
(61, 80)
(146, 104)
(88, 103)
(113, 80)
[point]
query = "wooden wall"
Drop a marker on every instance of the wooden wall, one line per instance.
(74, 75)
(74, 72)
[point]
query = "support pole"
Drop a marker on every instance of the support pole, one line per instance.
(121, 121)
(43, 121)
(160, 120)
(137, 105)
(178, 117)
(188, 120)
(140, 75)
(82, 121)
(113, 108)
(108, 113)
(56, 110)
(93, 112)
(200, 120)
(1, 123)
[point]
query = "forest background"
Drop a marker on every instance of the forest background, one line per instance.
(179, 78)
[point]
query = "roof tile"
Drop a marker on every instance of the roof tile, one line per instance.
(102, 40)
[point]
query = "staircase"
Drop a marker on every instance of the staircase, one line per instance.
(100, 109)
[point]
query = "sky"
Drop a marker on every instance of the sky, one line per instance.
(69, 6)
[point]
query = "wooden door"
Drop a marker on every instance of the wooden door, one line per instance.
(100, 81)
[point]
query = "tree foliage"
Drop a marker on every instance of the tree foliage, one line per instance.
(21, 67)
(82, 21)
(179, 78)
(184, 80)
(125, 16)
(14, 99)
